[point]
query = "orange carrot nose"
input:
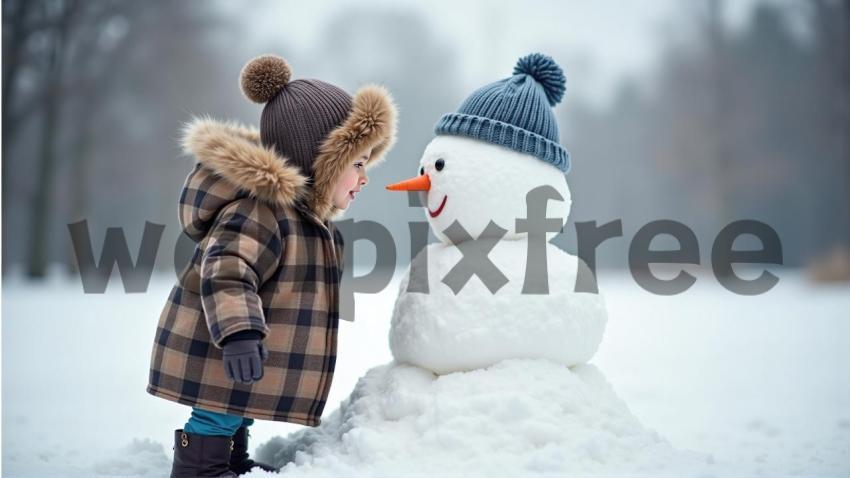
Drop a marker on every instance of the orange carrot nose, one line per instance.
(419, 183)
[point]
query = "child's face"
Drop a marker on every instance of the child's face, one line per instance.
(351, 181)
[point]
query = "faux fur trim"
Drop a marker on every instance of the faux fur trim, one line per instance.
(234, 152)
(370, 123)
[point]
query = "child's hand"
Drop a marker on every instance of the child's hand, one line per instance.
(243, 360)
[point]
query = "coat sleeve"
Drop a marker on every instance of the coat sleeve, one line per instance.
(243, 251)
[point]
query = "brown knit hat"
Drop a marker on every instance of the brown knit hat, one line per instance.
(318, 126)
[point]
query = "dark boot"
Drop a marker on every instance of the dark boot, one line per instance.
(201, 455)
(239, 461)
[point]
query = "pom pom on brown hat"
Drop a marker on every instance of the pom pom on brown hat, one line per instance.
(263, 77)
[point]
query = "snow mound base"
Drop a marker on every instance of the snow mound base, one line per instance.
(520, 417)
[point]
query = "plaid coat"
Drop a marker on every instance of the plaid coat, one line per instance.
(267, 258)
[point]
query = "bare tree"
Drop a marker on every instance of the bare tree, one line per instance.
(68, 66)
(831, 22)
(60, 15)
(721, 109)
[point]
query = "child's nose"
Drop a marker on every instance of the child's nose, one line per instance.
(364, 180)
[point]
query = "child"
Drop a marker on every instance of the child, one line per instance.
(250, 328)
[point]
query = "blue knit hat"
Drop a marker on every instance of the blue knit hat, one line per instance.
(516, 112)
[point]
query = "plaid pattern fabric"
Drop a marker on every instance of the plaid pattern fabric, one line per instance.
(255, 267)
(242, 254)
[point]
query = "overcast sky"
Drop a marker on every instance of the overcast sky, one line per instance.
(598, 42)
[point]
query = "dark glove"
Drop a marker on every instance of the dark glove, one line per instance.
(243, 359)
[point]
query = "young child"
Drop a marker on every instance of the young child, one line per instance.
(249, 330)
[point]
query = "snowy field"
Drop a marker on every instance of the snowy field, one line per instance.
(759, 384)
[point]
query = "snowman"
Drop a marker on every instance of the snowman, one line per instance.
(489, 376)
(479, 178)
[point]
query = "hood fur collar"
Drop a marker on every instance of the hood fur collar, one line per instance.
(235, 153)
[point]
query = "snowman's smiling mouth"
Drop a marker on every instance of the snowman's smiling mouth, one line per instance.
(439, 209)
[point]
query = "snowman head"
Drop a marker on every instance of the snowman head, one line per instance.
(474, 182)
(501, 144)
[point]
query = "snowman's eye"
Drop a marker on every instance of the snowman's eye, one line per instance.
(422, 170)
(440, 164)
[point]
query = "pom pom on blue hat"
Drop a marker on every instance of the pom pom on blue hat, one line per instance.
(516, 112)
(546, 72)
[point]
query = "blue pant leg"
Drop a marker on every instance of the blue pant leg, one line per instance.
(205, 422)
(247, 422)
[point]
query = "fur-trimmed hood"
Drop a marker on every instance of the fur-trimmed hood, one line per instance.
(231, 162)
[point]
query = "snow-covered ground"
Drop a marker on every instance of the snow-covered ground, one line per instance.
(757, 383)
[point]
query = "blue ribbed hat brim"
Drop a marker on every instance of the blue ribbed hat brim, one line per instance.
(504, 134)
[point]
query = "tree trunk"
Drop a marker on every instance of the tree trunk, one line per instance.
(15, 15)
(42, 206)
